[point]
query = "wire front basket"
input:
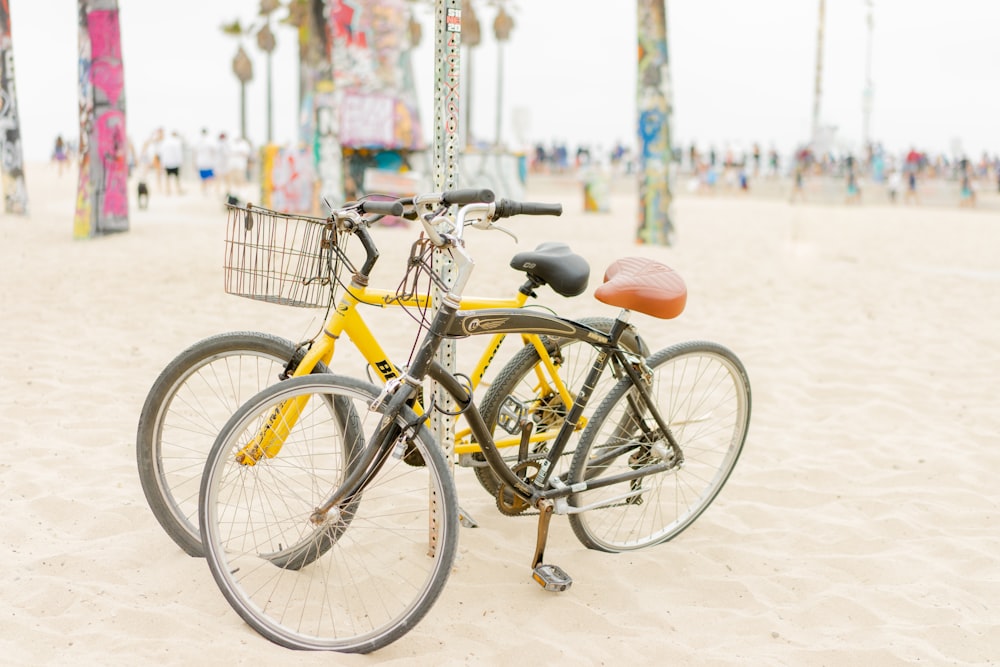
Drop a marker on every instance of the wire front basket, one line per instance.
(280, 258)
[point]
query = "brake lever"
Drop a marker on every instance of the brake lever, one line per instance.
(490, 225)
(485, 222)
(506, 231)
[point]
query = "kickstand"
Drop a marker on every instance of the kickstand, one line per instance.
(550, 577)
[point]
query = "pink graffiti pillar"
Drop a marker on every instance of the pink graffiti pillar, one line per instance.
(102, 194)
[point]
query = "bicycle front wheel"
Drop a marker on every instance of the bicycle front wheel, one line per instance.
(703, 394)
(356, 578)
(184, 411)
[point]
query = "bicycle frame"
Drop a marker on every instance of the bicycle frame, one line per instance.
(450, 323)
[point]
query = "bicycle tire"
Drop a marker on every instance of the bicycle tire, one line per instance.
(186, 406)
(515, 380)
(703, 392)
(374, 579)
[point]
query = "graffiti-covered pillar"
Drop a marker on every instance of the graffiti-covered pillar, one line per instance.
(318, 122)
(326, 136)
(15, 195)
(654, 107)
(102, 193)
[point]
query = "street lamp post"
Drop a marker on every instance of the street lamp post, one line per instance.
(818, 90)
(869, 87)
(267, 43)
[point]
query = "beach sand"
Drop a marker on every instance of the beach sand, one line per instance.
(861, 525)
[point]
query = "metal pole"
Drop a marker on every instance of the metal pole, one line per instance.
(496, 134)
(270, 122)
(818, 90)
(447, 59)
(243, 109)
(869, 87)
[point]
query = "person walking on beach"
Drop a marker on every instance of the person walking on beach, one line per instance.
(967, 195)
(149, 158)
(895, 182)
(798, 185)
(171, 157)
(911, 187)
(60, 155)
(853, 192)
(913, 163)
(206, 153)
(237, 162)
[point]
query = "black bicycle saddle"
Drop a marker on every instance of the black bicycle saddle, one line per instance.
(554, 264)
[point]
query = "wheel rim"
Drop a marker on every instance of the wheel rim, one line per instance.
(706, 404)
(369, 581)
(201, 401)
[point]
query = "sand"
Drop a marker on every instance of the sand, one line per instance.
(861, 526)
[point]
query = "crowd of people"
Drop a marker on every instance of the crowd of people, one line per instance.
(218, 160)
(557, 159)
(877, 175)
(223, 163)
(902, 176)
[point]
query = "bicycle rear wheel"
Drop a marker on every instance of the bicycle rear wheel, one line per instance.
(363, 575)
(186, 407)
(702, 391)
(524, 390)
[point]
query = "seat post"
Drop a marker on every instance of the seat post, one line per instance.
(529, 286)
(619, 326)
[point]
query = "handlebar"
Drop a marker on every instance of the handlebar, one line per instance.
(506, 208)
(466, 196)
(460, 197)
(369, 206)
(477, 207)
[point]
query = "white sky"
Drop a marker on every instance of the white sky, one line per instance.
(743, 71)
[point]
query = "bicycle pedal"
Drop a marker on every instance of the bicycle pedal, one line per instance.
(551, 577)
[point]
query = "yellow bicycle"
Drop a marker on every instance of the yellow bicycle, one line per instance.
(298, 261)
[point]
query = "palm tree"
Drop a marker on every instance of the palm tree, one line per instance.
(502, 25)
(267, 44)
(242, 68)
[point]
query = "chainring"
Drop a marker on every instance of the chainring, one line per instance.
(510, 503)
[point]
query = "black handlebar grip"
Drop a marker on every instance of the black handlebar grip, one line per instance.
(409, 210)
(506, 208)
(468, 196)
(394, 207)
